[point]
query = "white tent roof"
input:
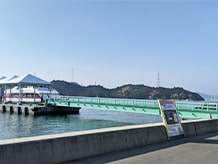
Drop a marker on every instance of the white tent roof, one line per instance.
(27, 79)
(6, 79)
(2, 78)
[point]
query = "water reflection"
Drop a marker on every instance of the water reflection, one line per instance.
(16, 126)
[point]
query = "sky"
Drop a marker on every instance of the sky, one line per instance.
(112, 43)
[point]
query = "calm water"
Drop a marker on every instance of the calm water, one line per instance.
(16, 126)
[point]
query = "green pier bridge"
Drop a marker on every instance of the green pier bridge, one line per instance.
(186, 109)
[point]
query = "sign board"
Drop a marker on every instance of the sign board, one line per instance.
(170, 118)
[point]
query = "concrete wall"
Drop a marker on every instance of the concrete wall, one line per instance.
(199, 127)
(70, 146)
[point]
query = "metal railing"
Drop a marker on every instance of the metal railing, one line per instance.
(189, 109)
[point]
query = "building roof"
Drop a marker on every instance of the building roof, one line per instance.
(26, 79)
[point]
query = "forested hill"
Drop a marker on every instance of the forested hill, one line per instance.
(125, 91)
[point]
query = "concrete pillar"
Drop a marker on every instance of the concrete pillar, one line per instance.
(26, 111)
(19, 110)
(11, 109)
(4, 108)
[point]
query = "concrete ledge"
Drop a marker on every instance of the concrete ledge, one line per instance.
(189, 128)
(199, 127)
(203, 127)
(76, 145)
(71, 146)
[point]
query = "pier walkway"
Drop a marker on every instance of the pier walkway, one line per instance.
(72, 105)
(195, 150)
(186, 109)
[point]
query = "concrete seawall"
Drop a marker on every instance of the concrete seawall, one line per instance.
(70, 146)
(199, 127)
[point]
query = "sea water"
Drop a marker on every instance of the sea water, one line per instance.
(17, 126)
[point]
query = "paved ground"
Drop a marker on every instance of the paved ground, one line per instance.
(194, 150)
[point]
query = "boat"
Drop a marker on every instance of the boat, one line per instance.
(29, 94)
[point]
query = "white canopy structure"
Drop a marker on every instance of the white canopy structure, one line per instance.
(26, 80)
(2, 78)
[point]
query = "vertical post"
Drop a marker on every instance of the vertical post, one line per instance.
(209, 116)
(10, 93)
(1, 94)
(19, 93)
(50, 93)
(34, 94)
(5, 93)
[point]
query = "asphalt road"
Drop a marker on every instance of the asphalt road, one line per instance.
(194, 150)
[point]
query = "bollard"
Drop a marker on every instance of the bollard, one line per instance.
(26, 111)
(19, 110)
(4, 108)
(11, 109)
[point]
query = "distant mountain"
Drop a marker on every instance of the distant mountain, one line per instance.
(209, 97)
(126, 91)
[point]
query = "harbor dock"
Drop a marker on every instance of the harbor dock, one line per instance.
(28, 94)
(37, 109)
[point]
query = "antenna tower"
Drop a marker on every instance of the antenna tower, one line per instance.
(158, 80)
(72, 76)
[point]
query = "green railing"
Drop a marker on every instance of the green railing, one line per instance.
(186, 109)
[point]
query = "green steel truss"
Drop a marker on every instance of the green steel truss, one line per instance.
(186, 109)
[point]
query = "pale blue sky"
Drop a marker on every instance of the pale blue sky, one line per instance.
(112, 43)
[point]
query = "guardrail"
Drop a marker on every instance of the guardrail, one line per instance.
(187, 109)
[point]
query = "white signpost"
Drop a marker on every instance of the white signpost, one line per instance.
(170, 118)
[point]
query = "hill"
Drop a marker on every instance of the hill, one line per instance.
(210, 98)
(126, 91)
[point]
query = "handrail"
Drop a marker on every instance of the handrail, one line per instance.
(192, 109)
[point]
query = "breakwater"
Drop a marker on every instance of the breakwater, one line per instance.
(71, 146)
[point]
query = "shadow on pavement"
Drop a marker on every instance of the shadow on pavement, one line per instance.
(110, 157)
